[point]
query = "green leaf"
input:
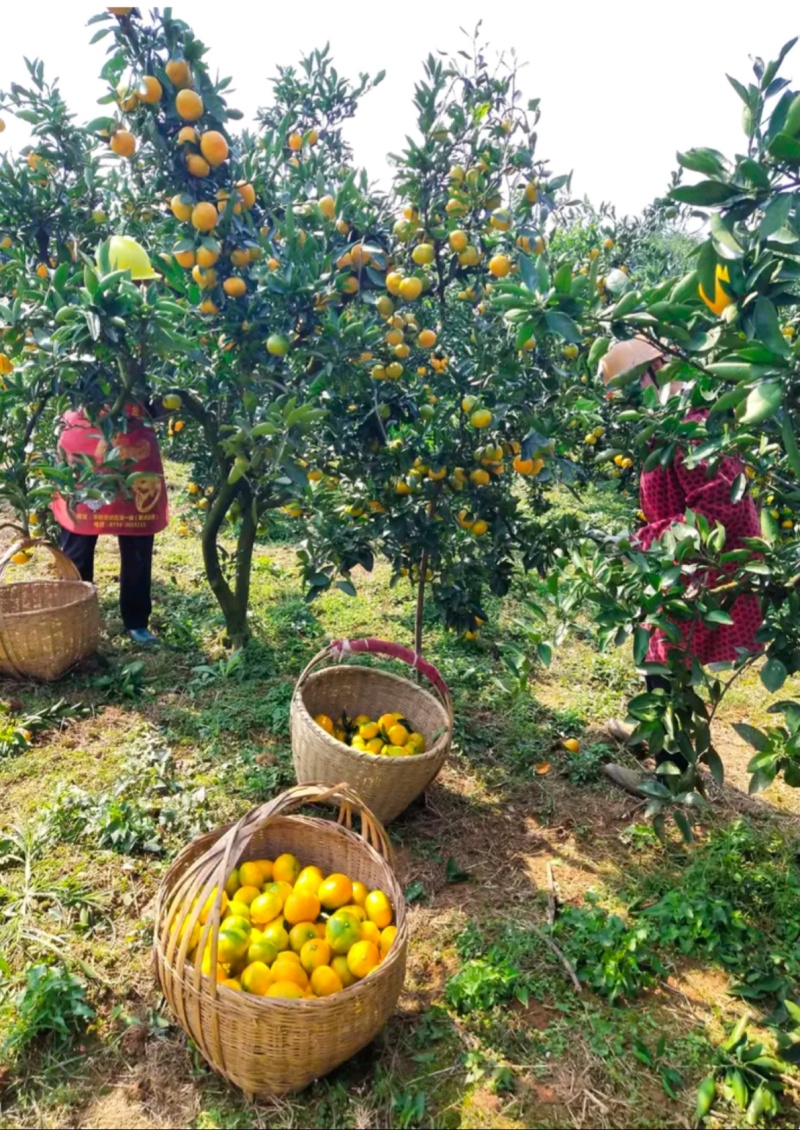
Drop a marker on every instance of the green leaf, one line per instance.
(718, 616)
(545, 653)
(683, 824)
(762, 402)
(715, 765)
(767, 327)
(785, 148)
(725, 243)
(415, 891)
(454, 874)
(562, 280)
(347, 587)
(707, 268)
(704, 193)
(561, 324)
(641, 643)
(755, 173)
(773, 675)
(754, 737)
(708, 161)
(776, 214)
(527, 272)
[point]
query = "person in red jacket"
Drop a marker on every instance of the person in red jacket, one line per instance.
(134, 519)
(666, 494)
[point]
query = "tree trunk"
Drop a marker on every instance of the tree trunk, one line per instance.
(423, 568)
(233, 602)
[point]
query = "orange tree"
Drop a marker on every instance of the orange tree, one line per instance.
(453, 440)
(258, 309)
(54, 211)
(728, 328)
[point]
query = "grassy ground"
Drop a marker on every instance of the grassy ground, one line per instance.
(490, 1030)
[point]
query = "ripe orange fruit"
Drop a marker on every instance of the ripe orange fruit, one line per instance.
(286, 869)
(150, 90)
(423, 254)
(572, 745)
(394, 337)
(214, 147)
(314, 953)
(208, 306)
(458, 240)
(204, 216)
(327, 205)
(275, 932)
(247, 194)
(198, 166)
(336, 891)
(341, 969)
(204, 279)
(394, 370)
(247, 895)
(379, 909)
(123, 143)
(426, 339)
(351, 285)
(178, 73)
(310, 878)
(342, 931)
(301, 933)
(240, 257)
(256, 979)
(388, 935)
(286, 990)
(235, 287)
(128, 99)
(393, 281)
(187, 136)
(301, 906)
(189, 105)
(479, 528)
(360, 893)
(285, 969)
(325, 982)
(499, 265)
(265, 908)
(370, 933)
(261, 950)
(207, 255)
(363, 958)
(295, 142)
(232, 983)
(181, 206)
(410, 289)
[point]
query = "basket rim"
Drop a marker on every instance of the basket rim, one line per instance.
(442, 742)
(89, 590)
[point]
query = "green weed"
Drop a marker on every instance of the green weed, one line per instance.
(52, 1003)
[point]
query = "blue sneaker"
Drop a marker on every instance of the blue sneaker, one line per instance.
(143, 636)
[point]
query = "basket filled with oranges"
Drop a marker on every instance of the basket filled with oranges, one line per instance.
(386, 735)
(280, 941)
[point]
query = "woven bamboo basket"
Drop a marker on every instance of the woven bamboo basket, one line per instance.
(268, 1046)
(46, 625)
(387, 784)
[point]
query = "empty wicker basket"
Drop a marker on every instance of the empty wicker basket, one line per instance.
(387, 784)
(269, 1046)
(46, 625)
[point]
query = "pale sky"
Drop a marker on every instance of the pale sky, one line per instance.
(621, 90)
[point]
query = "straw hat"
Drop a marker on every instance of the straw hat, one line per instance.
(625, 355)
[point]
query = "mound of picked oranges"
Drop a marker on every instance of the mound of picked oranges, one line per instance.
(391, 734)
(292, 932)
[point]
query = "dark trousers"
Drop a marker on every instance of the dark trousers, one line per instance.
(661, 682)
(136, 554)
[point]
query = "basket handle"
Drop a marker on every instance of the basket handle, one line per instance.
(339, 649)
(65, 568)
